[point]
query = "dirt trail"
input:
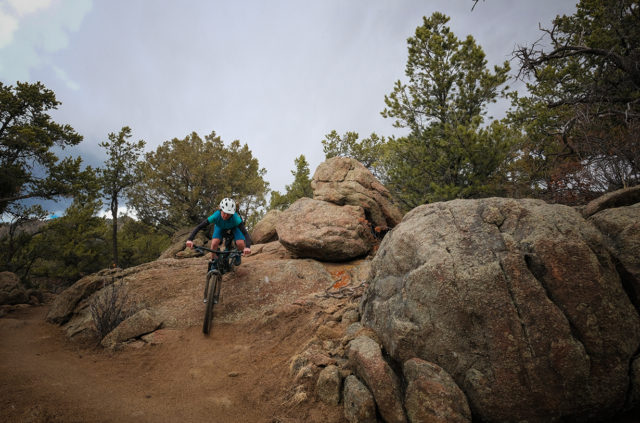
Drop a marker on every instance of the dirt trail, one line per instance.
(238, 374)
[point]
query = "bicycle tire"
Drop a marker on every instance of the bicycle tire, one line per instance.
(206, 287)
(212, 285)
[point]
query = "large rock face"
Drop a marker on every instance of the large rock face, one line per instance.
(342, 180)
(9, 281)
(366, 358)
(324, 231)
(172, 292)
(621, 228)
(620, 198)
(141, 323)
(518, 300)
(359, 406)
(265, 230)
(432, 396)
(178, 249)
(13, 292)
(65, 303)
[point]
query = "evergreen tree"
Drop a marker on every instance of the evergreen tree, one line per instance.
(582, 117)
(139, 242)
(28, 166)
(22, 223)
(300, 187)
(185, 180)
(449, 152)
(367, 151)
(31, 170)
(118, 174)
(73, 245)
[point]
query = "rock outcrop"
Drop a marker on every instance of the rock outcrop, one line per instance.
(513, 310)
(268, 281)
(359, 406)
(620, 227)
(329, 385)
(345, 181)
(273, 248)
(265, 230)
(141, 323)
(9, 281)
(66, 303)
(365, 357)
(324, 231)
(349, 210)
(432, 395)
(178, 249)
(620, 198)
(13, 292)
(518, 300)
(634, 392)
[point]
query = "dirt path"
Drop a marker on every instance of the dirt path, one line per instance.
(238, 374)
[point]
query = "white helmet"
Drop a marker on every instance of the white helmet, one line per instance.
(228, 206)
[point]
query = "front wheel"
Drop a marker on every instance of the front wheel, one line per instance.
(212, 288)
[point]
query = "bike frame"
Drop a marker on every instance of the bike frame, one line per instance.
(213, 283)
(226, 265)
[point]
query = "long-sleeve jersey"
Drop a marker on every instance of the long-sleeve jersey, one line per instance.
(233, 222)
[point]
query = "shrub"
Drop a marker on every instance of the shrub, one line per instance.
(110, 307)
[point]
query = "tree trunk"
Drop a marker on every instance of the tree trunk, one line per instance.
(114, 219)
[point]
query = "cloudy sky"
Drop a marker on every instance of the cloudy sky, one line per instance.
(277, 75)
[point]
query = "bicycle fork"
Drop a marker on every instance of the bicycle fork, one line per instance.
(211, 279)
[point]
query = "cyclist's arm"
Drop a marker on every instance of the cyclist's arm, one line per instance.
(198, 228)
(247, 238)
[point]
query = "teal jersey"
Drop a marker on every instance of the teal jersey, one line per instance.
(233, 222)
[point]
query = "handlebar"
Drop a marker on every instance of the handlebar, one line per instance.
(229, 252)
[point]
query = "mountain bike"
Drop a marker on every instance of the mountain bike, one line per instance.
(224, 263)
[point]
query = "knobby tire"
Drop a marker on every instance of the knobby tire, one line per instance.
(211, 287)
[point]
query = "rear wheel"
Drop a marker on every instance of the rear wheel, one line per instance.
(212, 288)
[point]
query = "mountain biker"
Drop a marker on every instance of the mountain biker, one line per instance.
(225, 219)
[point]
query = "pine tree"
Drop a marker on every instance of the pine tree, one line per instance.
(367, 151)
(582, 113)
(300, 187)
(29, 168)
(119, 174)
(185, 180)
(449, 151)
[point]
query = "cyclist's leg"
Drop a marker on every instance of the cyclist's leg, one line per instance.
(240, 243)
(227, 237)
(239, 237)
(215, 240)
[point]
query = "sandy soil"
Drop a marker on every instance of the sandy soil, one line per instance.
(237, 374)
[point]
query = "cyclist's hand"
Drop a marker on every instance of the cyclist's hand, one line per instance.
(246, 251)
(190, 244)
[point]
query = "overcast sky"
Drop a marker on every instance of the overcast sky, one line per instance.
(277, 75)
